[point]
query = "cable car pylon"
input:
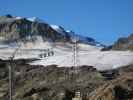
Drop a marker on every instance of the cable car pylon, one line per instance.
(11, 71)
(76, 68)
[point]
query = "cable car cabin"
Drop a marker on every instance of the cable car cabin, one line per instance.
(46, 54)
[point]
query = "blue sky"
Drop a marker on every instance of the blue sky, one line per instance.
(104, 20)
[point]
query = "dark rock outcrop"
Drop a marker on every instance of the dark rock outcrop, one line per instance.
(12, 29)
(125, 43)
(122, 44)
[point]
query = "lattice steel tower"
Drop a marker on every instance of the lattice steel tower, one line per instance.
(75, 53)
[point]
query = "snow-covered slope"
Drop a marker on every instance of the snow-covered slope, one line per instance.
(35, 19)
(63, 55)
(57, 28)
(88, 55)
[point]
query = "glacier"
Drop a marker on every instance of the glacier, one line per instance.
(63, 55)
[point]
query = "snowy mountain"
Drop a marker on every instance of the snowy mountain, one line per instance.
(52, 44)
(27, 29)
(16, 28)
(72, 35)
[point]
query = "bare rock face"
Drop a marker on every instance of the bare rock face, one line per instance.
(12, 29)
(125, 43)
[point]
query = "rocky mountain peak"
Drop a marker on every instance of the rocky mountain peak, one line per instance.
(124, 43)
(16, 28)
